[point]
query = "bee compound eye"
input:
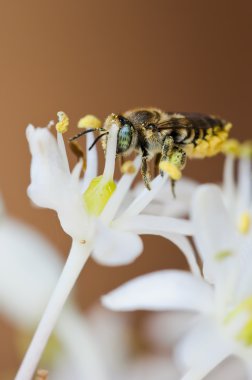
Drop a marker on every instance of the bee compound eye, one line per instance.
(124, 138)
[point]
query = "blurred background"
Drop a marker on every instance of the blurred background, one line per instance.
(109, 56)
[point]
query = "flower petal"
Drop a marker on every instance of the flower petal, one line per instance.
(163, 290)
(145, 197)
(29, 270)
(122, 188)
(152, 224)
(229, 187)
(215, 233)
(114, 247)
(48, 170)
(202, 358)
(165, 204)
(53, 186)
(163, 226)
(244, 185)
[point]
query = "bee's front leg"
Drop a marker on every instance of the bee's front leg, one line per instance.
(145, 171)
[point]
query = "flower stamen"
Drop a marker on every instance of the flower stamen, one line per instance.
(244, 223)
(89, 121)
(63, 122)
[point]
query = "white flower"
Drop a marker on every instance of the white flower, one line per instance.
(30, 268)
(87, 211)
(112, 235)
(237, 194)
(222, 300)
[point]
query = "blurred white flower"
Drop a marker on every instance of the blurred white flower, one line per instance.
(223, 299)
(237, 194)
(30, 268)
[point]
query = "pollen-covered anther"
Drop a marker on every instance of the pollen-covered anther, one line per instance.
(246, 149)
(245, 333)
(128, 167)
(89, 121)
(97, 195)
(172, 170)
(231, 146)
(244, 223)
(63, 122)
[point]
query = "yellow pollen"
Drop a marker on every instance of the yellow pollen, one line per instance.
(63, 122)
(244, 223)
(245, 334)
(246, 149)
(97, 195)
(232, 146)
(128, 167)
(89, 121)
(222, 255)
(173, 171)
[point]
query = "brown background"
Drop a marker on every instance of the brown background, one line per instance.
(109, 56)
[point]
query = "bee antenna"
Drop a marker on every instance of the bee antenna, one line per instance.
(81, 134)
(97, 139)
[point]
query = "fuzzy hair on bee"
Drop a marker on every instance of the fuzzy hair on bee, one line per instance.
(168, 137)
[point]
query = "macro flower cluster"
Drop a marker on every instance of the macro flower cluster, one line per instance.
(105, 219)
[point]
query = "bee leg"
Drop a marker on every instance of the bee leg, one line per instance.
(145, 172)
(167, 149)
(178, 159)
(156, 164)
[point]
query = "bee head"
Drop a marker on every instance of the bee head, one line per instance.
(125, 131)
(125, 135)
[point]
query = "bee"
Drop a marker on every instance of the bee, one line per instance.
(168, 137)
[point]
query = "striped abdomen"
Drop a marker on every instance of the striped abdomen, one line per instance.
(199, 135)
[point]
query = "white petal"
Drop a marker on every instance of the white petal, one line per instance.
(120, 193)
(231, 369)
(243, 263)
(163, 329)
(145, 197)
(152, 224)
(48, 171)
(29, 271)
(162, 226)
(214, 229)
(229, 187)
(164, 290)
(52, 185)
(114, 247)
(150, 367)
(166, 205)
(202, 349)
(244, 185)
